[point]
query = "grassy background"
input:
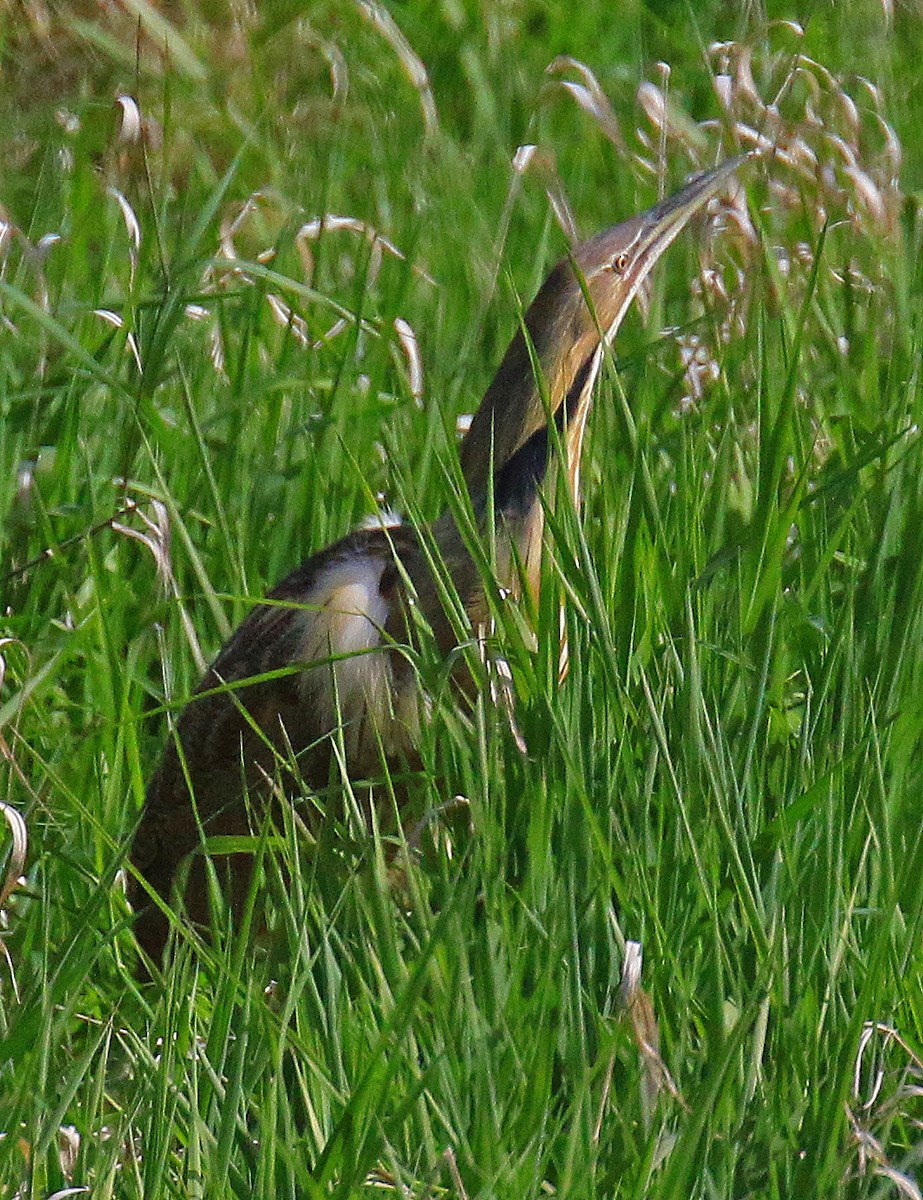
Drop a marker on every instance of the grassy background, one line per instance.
(731, 774)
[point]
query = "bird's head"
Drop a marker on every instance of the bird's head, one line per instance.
(577, 310)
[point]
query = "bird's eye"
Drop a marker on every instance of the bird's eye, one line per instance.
(620, 262)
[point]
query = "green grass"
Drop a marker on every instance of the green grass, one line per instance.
(731, 773)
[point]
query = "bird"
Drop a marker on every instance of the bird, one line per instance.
(317, 673)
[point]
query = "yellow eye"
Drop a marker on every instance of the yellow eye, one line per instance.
(620, 263)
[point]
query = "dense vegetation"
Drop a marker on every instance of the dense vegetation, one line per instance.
(199, 386)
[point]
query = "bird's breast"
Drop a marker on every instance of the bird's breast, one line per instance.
(349, 680)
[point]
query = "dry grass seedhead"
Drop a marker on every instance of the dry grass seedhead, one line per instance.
(22, 262)
(382, 22)
(543, 165)
(589, 95)
(155, 534)
(68, 1150)
(404, 340)
(18, 783)
(886, 1109)
(637, 1004)
(20, 838)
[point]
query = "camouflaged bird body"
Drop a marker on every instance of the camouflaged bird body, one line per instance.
(320, 671)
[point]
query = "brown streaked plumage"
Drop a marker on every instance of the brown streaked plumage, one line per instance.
(329, 634)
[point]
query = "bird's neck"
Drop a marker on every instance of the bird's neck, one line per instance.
(541, 372)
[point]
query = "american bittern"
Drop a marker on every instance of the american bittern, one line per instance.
(340, 617)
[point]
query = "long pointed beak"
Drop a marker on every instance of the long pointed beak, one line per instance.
(615, 263)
